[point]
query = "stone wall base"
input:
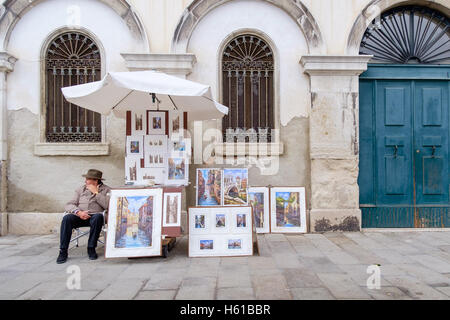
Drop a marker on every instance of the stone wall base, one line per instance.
(3, 223)
(323, 220)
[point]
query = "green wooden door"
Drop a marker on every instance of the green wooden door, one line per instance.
(404, 145)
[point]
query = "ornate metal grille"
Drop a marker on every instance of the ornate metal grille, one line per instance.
(247, 85)
(72, 58)
(409, 34)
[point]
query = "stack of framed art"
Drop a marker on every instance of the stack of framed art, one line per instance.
(157, 152)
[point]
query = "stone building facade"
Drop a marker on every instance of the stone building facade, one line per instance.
(317, 64)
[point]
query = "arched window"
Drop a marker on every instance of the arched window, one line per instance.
(72, 58)
(409, 34)
(247, 84)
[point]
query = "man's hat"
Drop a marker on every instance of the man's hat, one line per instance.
(94, 174)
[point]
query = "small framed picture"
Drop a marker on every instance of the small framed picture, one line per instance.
(176, 124)
(199, 221)
(177, 171)
(179, 146)
(132, 168)
(258, 198)
(172, 210)
(288, 210)
(138, 123)
(156, 122)
(135, 146)
(155, 175)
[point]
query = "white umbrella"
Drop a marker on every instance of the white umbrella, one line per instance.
(121, 91)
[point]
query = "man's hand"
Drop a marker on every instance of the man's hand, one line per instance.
(92, 188)
(83, 215)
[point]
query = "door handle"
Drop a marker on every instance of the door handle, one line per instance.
(434, 150)
(395, 151)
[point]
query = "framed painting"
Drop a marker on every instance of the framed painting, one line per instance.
(258, 198)
(172, 210)
(288, 210)
(235, 182)
(138, 123)
(220, 231)
(177, 171)
(180, 146)
(132, 168)
(151, 175)
(135, 146)
(176, 124)
(155, 152)
(156, 122)
(134, 223)
(209, 187)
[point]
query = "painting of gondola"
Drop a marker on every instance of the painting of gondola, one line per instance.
(209, 187)
(288, 210)
(235, 182)
(134, 223)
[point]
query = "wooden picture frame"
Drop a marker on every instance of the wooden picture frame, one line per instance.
(176, 124)
(288, 210)
(138, 122)
(157, 122)
(211, 241)
(134, 223)
(259, 200)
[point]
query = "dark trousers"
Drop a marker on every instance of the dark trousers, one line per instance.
(71, 221)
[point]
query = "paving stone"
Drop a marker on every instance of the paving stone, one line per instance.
(235, 294)
(311, 294)
(415, 288)
(139, 271)
(342, 286)
(257, 262)
(387, 293)
(444, 290)
(430, 277)
(165, 281)
(340, 257)
(156, 295)
(433, 263)
(75, 295)
(199, 282)
(303, 278)
(18, 286)
(393, 244)
(322, 243)
(320, 265)
(358, 273)
(287, 261)
(195, 293)
(364, 241)
(392, 256)
(121, 290)
(274, 237)
(44, 291)
(234, 261)
(271, 287)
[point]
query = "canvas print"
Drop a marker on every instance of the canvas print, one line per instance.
(134, 224)
(138, 123)
(135, 146)
(258, 198)
(235, 182)
(156, 122)
(172, 210)
(177, 171)
(209, 187)
(235, 244)
(288, 210)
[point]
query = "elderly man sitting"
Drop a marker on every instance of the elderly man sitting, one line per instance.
(85, 210)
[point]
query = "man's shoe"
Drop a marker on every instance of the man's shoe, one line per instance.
(92, 254)
(62, 257)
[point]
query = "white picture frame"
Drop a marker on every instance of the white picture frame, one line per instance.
(172, 209)
(179, 146)
(135, 146)
(233, 241)
(142, 236)
(138, 122)
(294, 201)
(132, 169)
(156, 122)
(155, 151)
(176, 123)
(177, 171)
(259, 200)
(235, 178)
(148, 176)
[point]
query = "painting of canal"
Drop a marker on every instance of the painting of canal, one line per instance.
(134, 219)
(287, 209)
(257, 202)
(235, 183)
(209, 186)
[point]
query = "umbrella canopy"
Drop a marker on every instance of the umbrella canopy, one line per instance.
(122, 91)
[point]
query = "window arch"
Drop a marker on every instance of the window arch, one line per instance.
(248, 84)
(71, 58)
(408, 35)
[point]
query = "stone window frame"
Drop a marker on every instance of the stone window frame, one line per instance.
(274, 148)
(44, 148)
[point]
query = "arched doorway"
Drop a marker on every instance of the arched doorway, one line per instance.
(404, 120)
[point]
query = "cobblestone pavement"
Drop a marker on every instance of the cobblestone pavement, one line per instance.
(414, 265)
